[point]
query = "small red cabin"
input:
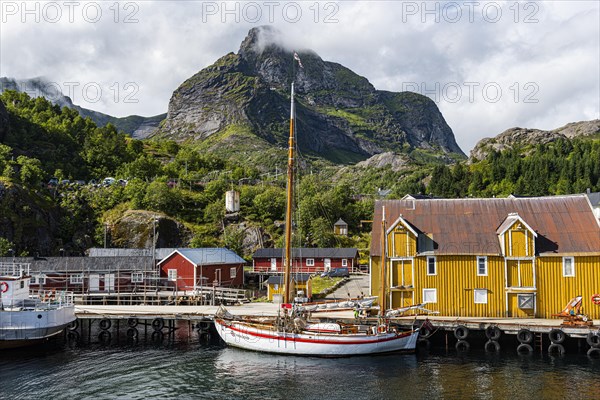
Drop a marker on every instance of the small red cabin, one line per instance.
(188, 269)
(306, 260)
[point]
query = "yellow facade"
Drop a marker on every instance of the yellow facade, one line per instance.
(274, 288)
(517, 284)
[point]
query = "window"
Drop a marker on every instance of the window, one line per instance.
(481, 296)
(431, 268)
(137, 277)
(568, 266)
(76, 279)
(310, 262)
(344, 262)
(33, 281)
(232, 272)
(41, 279)
(172, 275)
(429, 295)
(526, 301)
(482, 266)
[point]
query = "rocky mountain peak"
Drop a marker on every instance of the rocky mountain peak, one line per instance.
(340, 115)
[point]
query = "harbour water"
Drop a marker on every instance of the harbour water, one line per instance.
(189, 369)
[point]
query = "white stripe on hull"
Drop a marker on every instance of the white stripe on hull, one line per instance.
(313, 344)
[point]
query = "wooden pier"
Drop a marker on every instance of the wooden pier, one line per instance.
(524, 336)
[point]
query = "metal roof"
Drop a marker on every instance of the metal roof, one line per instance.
(308, 253)
(340, 222)
(208, 256)
(160, 253)
(278, 279)
(594, 198)
(564, 224)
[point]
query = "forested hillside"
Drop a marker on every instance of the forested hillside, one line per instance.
(561, 167)
(53, 163)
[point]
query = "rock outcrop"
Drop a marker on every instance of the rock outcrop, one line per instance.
(136, 229)
(340, 114)
(528, 137)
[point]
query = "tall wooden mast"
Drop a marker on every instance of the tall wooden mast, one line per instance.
(382, 275)
(288, 210)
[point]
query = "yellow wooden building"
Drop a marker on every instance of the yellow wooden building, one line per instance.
(301, 282)
(513, 257)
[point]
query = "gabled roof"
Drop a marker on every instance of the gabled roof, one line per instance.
(308, 253)
(510, 221)
(405, 223)
(564, 224)
(278, 279)
(208, 256)
(340, 222)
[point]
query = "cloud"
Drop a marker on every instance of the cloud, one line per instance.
(489, 67)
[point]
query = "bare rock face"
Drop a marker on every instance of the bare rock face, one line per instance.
(580, 129)
(525, 137)
(397, 161)
(338, 111)
(135, 229)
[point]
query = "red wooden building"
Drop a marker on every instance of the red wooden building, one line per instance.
(189, 269)
(305, 259)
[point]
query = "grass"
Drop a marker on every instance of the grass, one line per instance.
(320, 284)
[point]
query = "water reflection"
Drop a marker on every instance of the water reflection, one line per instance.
(187, 368)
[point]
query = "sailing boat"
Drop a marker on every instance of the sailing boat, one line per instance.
(290, 332)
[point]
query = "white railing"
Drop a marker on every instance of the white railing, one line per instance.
(14, 269)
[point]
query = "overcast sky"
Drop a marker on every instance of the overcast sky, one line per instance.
(489, 65)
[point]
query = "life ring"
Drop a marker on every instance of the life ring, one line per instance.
(596, 299)
(3, 287)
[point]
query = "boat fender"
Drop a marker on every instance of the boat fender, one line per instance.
(557, 336)
(158, 324)
(74, 325)
(525, 336)
(492, 346)
(462, 345)
(596, 299)
(556, 348)
(593, 339)
(3, 287)
(524, 348)
(73, 336)
(105, 324)
(493, 332)
(425, 332)
(461, 332)
(594, 352)
(132, 322)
